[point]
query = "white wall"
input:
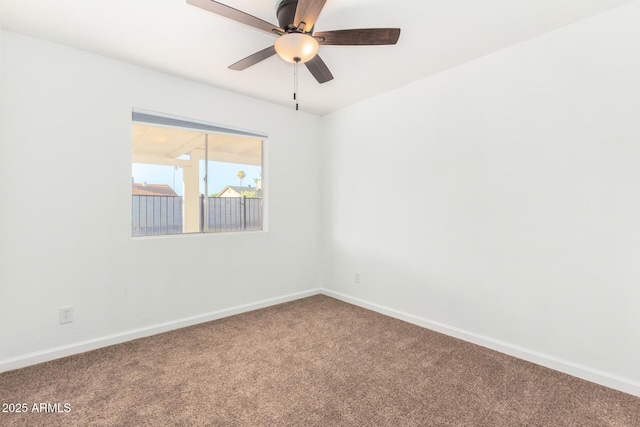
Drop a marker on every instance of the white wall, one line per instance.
(500, 201)
(65, 188)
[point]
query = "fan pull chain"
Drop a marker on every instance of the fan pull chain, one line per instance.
(295, 81)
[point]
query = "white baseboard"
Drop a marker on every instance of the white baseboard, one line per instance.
(567, 367)
(93, 344)
(584, 372)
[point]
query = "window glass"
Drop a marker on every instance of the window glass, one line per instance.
(194, 181)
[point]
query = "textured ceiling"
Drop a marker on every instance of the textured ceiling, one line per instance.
(176, 38)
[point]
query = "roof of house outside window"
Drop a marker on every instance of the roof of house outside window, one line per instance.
(236, 191)
(152, 190)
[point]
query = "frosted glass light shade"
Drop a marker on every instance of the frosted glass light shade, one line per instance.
(295, 45)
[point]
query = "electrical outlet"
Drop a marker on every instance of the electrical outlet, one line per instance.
(65, 314)
(356, 277)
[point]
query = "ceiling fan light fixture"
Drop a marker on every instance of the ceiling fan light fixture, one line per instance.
(296, 47)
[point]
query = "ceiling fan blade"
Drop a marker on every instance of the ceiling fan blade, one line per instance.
(319, 69)
(236, 15)
(253, 59)
(358, 37)
(308, 12)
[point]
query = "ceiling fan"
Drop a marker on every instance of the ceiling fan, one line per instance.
(297, 42)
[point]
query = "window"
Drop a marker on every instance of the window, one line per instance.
(194, 177)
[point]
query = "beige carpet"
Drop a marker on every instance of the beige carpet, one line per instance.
(312, 362)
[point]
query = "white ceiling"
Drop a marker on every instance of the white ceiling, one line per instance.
(176, 38)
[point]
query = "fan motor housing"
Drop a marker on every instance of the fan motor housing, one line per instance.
(286, 13)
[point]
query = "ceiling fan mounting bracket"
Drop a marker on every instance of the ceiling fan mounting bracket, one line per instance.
(286, 13)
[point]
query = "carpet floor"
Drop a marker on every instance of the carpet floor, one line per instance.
(316, 361)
